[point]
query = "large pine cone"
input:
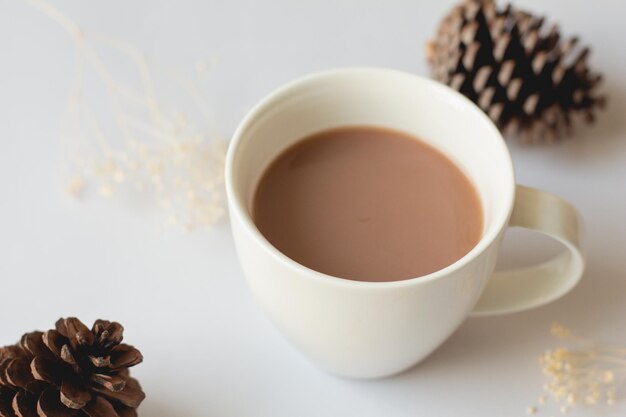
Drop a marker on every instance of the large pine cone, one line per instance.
(529, 81)
(70, 371)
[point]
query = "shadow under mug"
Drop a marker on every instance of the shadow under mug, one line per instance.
(375, 329)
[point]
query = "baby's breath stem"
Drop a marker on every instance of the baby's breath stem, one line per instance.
(590, 372)
(154, 145)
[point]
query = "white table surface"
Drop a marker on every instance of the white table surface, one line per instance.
(209, 351)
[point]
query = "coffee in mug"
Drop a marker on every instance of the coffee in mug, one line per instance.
(368, 203)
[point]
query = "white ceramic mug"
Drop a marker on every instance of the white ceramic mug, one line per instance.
(374, 329)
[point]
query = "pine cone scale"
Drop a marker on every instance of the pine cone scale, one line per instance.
(76, 332)
(112, 383)
(6, 398)
(130, 396)
(46, 370)
(50, 405)
(68, 357)
(108, 334)
(18, 373)
(54, 341)
(33, 344)
(100, 362)
(23, 406)
(3, 374)
(124, 356)
(74, 393)
(100, 408)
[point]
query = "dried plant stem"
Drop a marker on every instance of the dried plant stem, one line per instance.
(160, 148)
(57, 16)
(587, 372)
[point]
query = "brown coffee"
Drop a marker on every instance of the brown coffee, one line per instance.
(368, 204)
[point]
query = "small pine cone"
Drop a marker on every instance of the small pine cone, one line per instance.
(70, 371)
(529, 81)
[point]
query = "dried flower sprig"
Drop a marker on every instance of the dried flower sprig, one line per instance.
(583, 372)
(150, 146)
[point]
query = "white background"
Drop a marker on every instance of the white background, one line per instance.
(208, 349)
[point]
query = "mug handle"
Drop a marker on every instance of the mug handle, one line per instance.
(520, 289)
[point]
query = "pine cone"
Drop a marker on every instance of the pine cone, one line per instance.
(529, 81)
(70, 371)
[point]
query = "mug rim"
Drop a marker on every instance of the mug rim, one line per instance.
(238, 209)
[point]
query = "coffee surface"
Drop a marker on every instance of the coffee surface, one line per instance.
(368, 204)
